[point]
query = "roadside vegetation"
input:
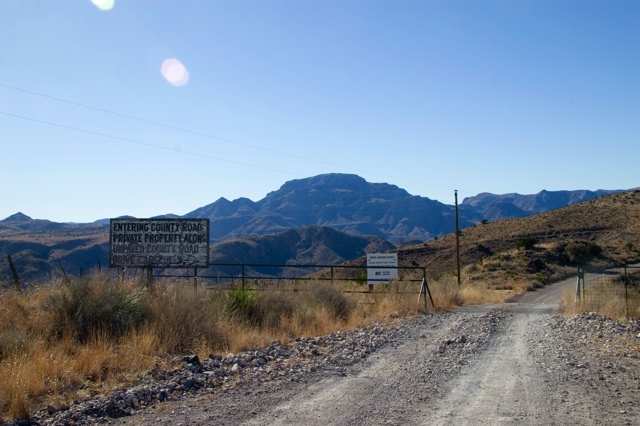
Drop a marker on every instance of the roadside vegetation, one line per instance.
(80, 337)
(613, 296)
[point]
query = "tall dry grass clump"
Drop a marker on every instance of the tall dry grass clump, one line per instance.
(86, 308)
(184, 320)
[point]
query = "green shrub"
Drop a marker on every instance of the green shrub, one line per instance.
(361, 277)
(594, 249)
(526, 243)
(542, 278)
(242, 304)
(580, 252)
(484, 250)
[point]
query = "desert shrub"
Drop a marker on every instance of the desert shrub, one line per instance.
(184, 319)
(580, 252)
(332, 299)
(594, 249)
(86, 307)
(481, 248)
(361, 277)
(526, 243)
(273, 306)
(493, 266)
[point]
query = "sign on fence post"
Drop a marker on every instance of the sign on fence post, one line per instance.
(382, 268)
(159, 243)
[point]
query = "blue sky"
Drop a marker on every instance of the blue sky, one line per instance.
(431, 96)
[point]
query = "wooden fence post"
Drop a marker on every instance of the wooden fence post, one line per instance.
(16, 280)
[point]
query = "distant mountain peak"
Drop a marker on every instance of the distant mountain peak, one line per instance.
(345, 202)
(18, 217)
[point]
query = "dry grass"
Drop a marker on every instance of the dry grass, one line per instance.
(607, 297)
(448, 295)
(481, 294)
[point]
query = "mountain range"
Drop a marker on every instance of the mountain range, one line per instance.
(350, 204)
(287, 226)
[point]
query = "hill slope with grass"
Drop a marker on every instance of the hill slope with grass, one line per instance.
(602, 231)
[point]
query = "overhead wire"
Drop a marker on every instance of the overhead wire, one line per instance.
(197, 133)
(145, 143)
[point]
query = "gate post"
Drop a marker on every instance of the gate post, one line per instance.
(243, 276)
(626, 292)
(16, 279)
(578, 286)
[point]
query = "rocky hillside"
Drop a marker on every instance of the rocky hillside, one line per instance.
(41, 247)
(310, 245)
(347, 203)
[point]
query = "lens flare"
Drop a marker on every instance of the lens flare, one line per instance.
(104, 4)
(174, 72)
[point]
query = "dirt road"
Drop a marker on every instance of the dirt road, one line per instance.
(502, 384)
(519, 363)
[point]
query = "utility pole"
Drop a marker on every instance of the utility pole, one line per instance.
(455, 191)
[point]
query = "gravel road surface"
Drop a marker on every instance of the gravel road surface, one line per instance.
(517, 363)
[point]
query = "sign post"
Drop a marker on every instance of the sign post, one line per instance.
(158, 243)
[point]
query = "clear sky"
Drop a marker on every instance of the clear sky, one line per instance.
(148, 107)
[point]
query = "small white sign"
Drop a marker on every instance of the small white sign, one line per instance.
(382, 268)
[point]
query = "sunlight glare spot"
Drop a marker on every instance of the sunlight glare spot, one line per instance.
(103, 4)
(174, 72)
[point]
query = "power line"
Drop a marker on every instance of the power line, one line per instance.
(205, 135)
(146, 143)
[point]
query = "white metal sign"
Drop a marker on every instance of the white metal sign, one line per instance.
(159, 243)
(382, 267)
